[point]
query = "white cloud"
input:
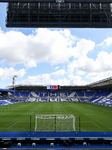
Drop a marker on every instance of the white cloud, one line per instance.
(76, 80)
(45, 79)
(83, 47)
(40, 79)
(53, 47)
(93, 70)
(12, 46)
(94, 76)
(106, 42)
(57, 67)
(43, 45)
(5, 73)
(61, 82)
(81, 66)
(54, 78)
(101, 44)
(104, 62)
(58, 73)
(30, 64)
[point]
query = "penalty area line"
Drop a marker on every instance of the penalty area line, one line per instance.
(95, 124)
(13, 124)
(16, 123)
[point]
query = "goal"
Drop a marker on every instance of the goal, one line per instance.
(54, 123)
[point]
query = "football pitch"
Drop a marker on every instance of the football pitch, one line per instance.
(88, 117)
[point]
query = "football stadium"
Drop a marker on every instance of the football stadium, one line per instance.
(56, 117)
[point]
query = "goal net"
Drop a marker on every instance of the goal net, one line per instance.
(54, 123)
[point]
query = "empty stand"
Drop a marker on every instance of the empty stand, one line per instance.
(100, 97)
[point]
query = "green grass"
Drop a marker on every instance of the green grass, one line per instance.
(16, 117)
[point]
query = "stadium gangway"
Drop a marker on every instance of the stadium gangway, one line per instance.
(65, 1)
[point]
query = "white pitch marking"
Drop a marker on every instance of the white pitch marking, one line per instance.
(13, 124)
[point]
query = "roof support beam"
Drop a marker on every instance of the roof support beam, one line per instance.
(53, 1)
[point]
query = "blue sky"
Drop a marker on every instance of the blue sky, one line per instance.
(53, 56)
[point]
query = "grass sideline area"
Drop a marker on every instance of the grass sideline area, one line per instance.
(21, 116)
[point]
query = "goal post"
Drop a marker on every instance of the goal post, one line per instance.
(55, 123)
